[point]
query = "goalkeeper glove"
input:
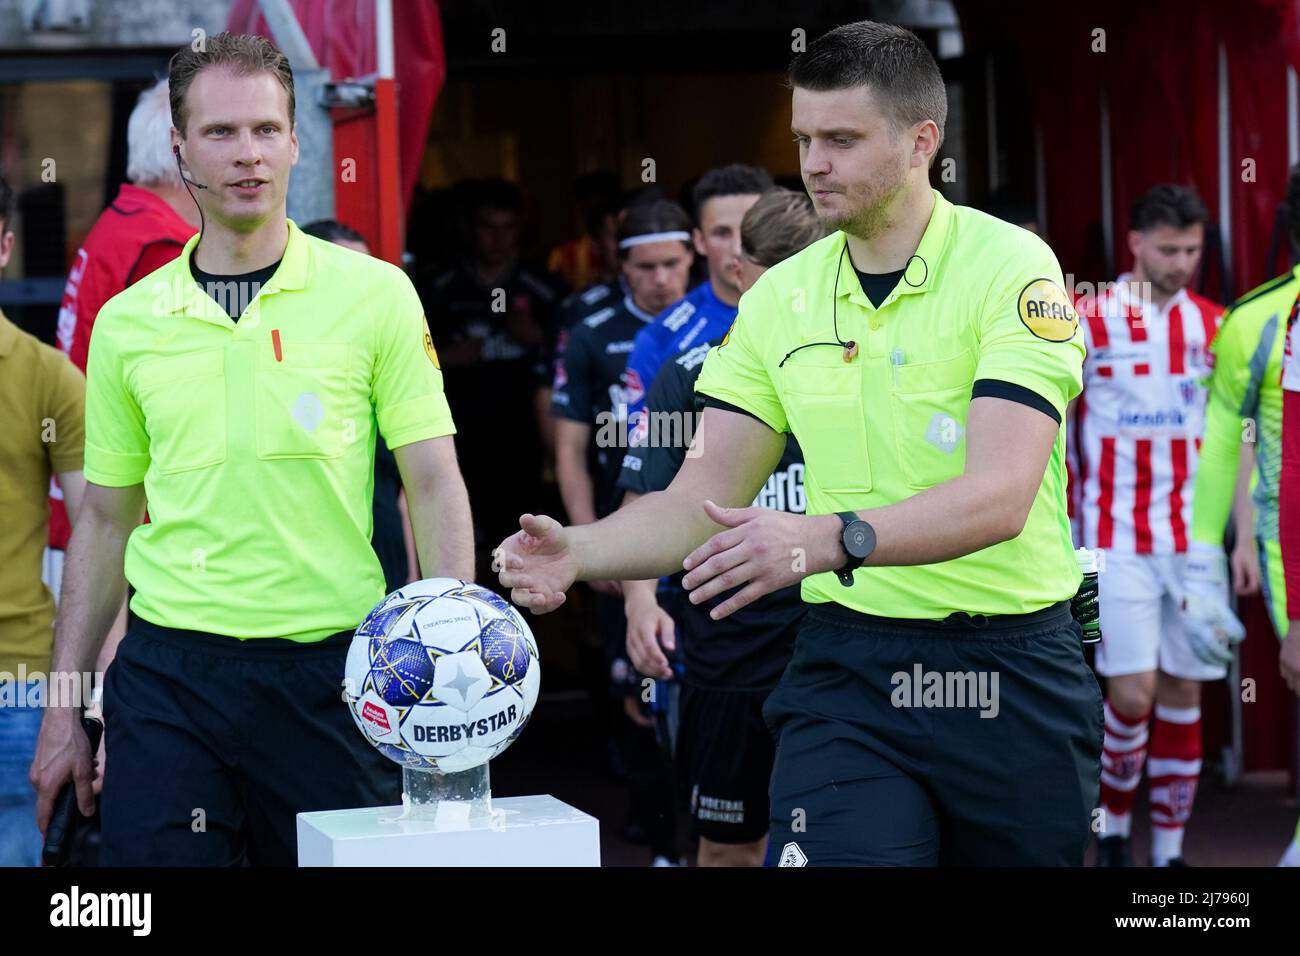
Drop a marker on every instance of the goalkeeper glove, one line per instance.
(1212, 629)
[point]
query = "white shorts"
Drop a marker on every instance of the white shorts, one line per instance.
(52, 572)
(1141, 628)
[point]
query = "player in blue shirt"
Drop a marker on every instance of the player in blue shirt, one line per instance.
(721, 198)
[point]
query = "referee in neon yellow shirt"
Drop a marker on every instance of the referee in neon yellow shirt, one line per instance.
(938, 708)
(237, 391)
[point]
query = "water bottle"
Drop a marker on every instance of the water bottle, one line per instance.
(1085, 606)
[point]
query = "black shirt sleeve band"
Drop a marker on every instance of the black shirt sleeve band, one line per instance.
(993, 388)
(711, 402)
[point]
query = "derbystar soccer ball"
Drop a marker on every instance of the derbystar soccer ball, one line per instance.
(442, 675)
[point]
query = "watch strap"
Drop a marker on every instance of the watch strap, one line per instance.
(851, 563)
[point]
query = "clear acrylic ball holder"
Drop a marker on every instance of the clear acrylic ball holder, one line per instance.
(449, 800)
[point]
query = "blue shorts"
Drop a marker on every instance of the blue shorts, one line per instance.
(214, 745)
(917, 743)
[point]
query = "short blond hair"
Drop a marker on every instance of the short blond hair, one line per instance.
(243, 53)
(780, 224)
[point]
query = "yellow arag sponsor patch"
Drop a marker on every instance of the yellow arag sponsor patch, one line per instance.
(1047, 311)
(429, 350)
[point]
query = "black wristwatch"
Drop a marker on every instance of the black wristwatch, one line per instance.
(858, 539)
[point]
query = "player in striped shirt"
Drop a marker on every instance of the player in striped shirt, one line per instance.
(1139, 422)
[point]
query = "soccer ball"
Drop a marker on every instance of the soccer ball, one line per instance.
(442, 675)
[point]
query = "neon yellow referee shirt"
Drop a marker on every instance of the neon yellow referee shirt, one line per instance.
(255, 440)
(980, 310)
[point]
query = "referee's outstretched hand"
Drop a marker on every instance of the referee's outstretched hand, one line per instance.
(762, 549)
(536, 564)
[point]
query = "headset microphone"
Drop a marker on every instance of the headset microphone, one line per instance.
(851, 347)
(203, 223)
(176, 151)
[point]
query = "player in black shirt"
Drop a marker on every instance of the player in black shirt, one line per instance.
(747, 650)
(590, 409)
(724, 750)
(587, 393)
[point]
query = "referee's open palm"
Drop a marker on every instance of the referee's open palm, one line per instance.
(535, 563)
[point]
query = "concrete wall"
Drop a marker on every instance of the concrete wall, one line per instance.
(112, 23)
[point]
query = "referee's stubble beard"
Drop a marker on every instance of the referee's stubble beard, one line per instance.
(857, 166)
(240, 144)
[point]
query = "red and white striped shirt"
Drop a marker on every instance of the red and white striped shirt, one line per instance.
(1141, 416)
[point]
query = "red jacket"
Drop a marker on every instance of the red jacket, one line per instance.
(135, 235)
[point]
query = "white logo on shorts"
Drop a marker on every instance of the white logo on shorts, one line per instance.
(791, 855)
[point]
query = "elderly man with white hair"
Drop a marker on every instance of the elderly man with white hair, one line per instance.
(143, 228)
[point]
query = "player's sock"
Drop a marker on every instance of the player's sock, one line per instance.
(1174, 767)
(1123, 751)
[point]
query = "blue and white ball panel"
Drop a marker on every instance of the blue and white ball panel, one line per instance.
(387, 620)
(356, 668)
(520, 623)
(530, 687)
(465, 759)
(446, 625)
(485, 597)
(401, 670)
(493, 719)
(505, 651)
(460, 680)
(406, 758)
(431, 587)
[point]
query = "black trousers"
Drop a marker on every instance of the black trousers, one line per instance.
(919, 743)
(214, 745)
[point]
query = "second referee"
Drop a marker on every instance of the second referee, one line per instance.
(938, 707)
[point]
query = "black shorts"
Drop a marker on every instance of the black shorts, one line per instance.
(997, 763)
(215, 745)
(724, 759)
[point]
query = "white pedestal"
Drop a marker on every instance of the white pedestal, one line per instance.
(523, 831)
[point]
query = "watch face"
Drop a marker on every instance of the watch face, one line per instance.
(859, 539)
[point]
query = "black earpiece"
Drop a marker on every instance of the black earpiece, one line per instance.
(203, 223)
(176, 151)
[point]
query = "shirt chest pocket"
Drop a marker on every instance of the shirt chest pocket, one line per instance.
(301, 400)
(827, 415)
(183, 398)
(930, 401)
